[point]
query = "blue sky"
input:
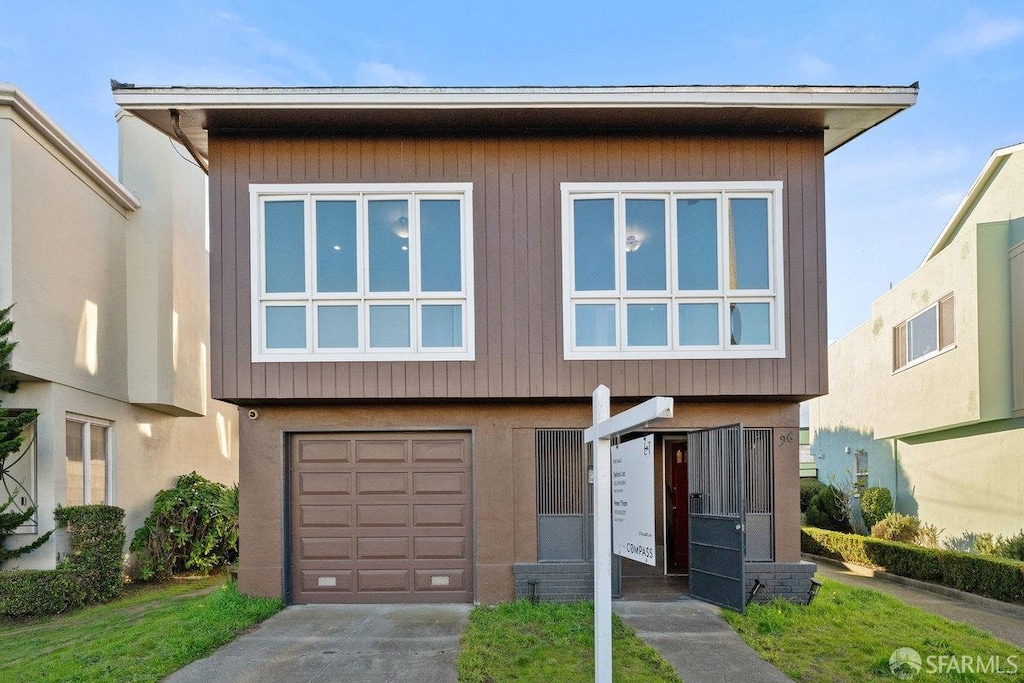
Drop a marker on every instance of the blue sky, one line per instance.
(889, 192)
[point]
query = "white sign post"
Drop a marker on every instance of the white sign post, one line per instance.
(633, 500)
(600, 434)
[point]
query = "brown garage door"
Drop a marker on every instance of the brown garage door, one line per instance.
(381, 517)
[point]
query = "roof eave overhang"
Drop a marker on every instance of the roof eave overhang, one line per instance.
(11, 96)
(970, 200)
(842, 112)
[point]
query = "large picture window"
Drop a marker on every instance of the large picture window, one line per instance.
(362, 272)
(676, 270)
(926, 334)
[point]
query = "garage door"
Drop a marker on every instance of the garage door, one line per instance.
(381, 517)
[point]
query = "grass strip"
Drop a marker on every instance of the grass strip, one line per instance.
(144, 636)
(848, 634)
(520, 641)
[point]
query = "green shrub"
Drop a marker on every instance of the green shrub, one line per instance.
(826, 511)
(91, 571)
(1012, 547)
(896, 526)
(808, 488)
(875, 504)
(993, 577)
(928, 536)
(987, 544)
(192, 528)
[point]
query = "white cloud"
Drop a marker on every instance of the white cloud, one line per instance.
(256, 41)
(382, 73)
(812, 67)
(982, 34)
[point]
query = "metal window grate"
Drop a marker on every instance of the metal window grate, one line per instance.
(563, 496)
(561, 472)
(760, 494)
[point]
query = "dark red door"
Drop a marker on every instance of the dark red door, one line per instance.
(678, 508)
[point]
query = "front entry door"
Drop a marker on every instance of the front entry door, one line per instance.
(717, 505)
(677, 507)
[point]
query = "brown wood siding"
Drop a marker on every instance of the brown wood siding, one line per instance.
(517, 262)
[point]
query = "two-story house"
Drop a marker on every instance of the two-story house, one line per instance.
(416, 290)
(108, 278)
(926, 397)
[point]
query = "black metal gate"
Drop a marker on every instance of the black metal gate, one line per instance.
(717, 507)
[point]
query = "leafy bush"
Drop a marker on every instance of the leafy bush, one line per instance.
(192, 529)
(994, 577)
(875, 504)
(91, 571)
(987, 544)
(928, 536)
(827, 511)
(1012, 547)
(808, 489)
(896, 526)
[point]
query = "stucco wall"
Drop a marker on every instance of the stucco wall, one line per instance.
(69, 282)
(938, 433)
(168, 272)
(150, 450)
(966, 480)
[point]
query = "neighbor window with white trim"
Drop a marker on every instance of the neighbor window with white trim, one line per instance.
(673, 270)
(87, 457)
(362, 272)
(925, 334)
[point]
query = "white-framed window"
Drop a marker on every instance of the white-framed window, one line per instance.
(362, 272)
(673, 270)
(860, 468)
(925, 334)
(88, 449)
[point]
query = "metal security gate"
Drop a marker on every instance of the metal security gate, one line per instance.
(717, 510)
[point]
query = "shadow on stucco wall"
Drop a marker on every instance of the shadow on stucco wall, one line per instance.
(835, 451)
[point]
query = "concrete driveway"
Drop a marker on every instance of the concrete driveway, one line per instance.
(352, 643)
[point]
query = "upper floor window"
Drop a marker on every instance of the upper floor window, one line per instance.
(362, 272)
(673, 270)
(925, 334)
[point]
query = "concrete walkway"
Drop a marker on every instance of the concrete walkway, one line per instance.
(1004, 621)
(694, 638)
(352, 643)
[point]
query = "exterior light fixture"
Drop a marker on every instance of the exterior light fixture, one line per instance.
(815, 587)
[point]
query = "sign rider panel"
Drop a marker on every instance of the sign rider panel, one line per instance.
(633, 500)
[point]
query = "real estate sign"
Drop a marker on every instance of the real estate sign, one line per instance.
(633, 500)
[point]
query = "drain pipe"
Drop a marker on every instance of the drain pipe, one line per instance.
(183, 139)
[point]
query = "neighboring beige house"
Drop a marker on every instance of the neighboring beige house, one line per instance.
(109, 279)
(926, 398)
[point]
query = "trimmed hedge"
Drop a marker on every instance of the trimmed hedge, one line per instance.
(91, 572)
(992, 577)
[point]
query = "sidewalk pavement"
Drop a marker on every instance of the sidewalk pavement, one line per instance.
(1003, 620)
(694, 638)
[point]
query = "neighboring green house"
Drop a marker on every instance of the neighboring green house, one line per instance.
(926, 398)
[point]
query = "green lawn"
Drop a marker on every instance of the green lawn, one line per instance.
(520, 641)
(141, 637)
(848, 634)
